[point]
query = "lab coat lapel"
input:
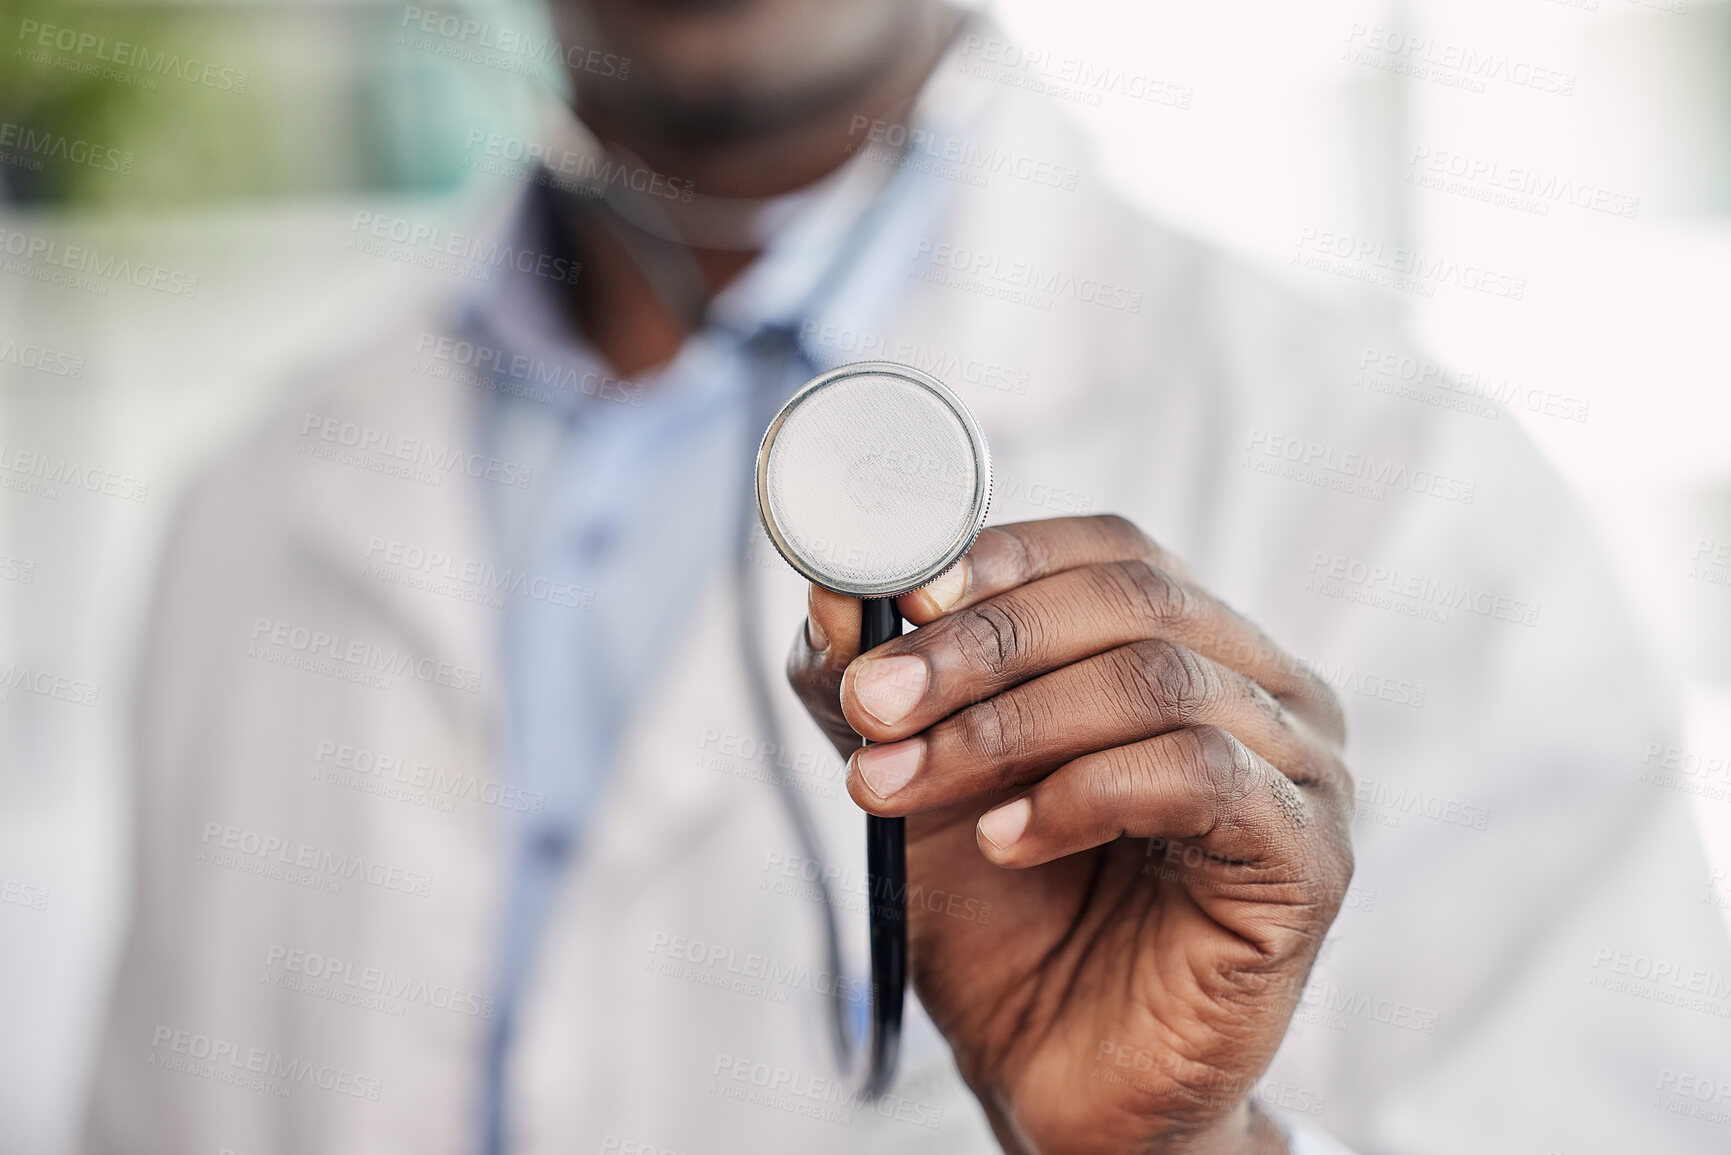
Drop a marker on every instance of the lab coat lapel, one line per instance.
(386, 496)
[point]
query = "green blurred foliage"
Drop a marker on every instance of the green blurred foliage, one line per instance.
(149, 104)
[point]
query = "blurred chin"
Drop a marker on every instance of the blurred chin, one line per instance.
(724, 70)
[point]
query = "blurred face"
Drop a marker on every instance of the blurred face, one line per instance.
(712, 72)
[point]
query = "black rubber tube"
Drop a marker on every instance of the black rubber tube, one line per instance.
(887, 875)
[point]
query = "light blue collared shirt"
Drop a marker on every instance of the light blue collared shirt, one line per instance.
(641, 491)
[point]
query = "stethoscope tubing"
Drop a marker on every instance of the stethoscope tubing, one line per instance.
(887, 877)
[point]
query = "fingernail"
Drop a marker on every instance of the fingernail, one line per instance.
(947, 589)
(887, 688)
(887, 768)
(815, 637)
(1003, 826)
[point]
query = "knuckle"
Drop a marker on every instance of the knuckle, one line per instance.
(1122, 529)
(1114, 785)
(1129, 538)
(995, 730)
(1028, 556)
(1117, 525)
(1172, 681)
(992, 637)
(1155, 595)
(1223, 766)
(1272, 709)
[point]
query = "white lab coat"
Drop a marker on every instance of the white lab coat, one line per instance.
(1480, 994)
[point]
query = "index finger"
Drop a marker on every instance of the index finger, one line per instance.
(1007, 557)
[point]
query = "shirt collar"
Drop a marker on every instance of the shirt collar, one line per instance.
(822, 233)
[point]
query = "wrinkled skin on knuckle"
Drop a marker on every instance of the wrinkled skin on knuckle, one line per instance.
(1122, 782)
(1325, 805)
(1270, 707)
(996, 730)
(1027, 556)
(991, 637)
(1174, 683)
(1233, 772)
(1308, 847)
(1123, 531)
(1155, 596)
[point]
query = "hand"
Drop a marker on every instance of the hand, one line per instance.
(1147, 792)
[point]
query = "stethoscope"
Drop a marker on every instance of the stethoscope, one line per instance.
(654, 244)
